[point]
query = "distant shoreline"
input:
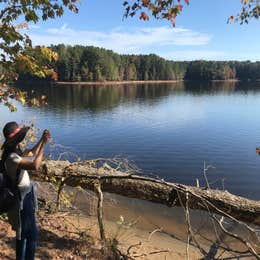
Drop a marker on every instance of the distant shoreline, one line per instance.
(128, 82)
(225, 80)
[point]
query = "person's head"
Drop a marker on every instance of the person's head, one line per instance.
(14, 134)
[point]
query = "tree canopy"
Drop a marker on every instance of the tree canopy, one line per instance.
(16, 49)
(250, 9)
(170, 9)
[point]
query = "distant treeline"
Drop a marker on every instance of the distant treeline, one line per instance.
(222, 70)
(88, 63)
(79, 63)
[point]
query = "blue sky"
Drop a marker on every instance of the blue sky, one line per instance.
(201, 31)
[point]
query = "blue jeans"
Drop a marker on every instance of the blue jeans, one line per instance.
(25, 248)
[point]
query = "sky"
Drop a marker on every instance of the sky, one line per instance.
(201, 31)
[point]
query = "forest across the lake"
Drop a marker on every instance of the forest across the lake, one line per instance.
(87, 63)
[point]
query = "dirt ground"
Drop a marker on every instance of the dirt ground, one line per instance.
(63, 236)
(138, 229)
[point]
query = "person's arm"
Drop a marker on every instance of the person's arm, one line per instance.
(34, 150)
(35, 164)
(26, 164)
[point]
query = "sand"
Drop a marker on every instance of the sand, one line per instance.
(143, 230)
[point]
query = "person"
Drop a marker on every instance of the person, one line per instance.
(17, 163)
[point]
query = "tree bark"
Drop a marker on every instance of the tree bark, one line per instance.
(154, 190)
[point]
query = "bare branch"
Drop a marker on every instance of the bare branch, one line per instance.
(100, 211)
(245, 242)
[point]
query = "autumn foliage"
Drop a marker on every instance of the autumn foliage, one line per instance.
(170, 9)
(18, 56)
(158, 9)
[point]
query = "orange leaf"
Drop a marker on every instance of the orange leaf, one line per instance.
(145, 2)
(179, 7)
(144, 16)
(54, 76)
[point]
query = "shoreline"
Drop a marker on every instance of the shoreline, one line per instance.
(127, 82)
(152, 231)
(150, 226)
(225, 80)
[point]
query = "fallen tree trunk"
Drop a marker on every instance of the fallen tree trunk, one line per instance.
(131, 185)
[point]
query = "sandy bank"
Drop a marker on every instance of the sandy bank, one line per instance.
(147, 231)
(156, 231)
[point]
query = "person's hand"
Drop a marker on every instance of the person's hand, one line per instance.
(46, 135)
(257, 150)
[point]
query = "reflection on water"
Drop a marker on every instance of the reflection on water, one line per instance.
(210, 87)
(167, 129)
(99, 98)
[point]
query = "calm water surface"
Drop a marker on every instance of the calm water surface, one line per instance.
(169, 130)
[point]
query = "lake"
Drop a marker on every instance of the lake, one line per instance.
(166, 129)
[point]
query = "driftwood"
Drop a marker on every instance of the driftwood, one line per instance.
(100, 212)
(129, 184)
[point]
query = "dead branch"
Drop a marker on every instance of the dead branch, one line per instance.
(60, 188)
(84, 175)
(152, 253)
(245, 242)
(153, 232)
(100, 211)
(191, 235)
(132, 246)
(119, 177)
(251, 249)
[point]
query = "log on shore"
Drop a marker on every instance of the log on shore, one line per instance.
(154, 190)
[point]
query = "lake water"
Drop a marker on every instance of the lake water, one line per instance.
(166, 129)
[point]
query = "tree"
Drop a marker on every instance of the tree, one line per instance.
(250, 9)
(17, 53)
(170, 9)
